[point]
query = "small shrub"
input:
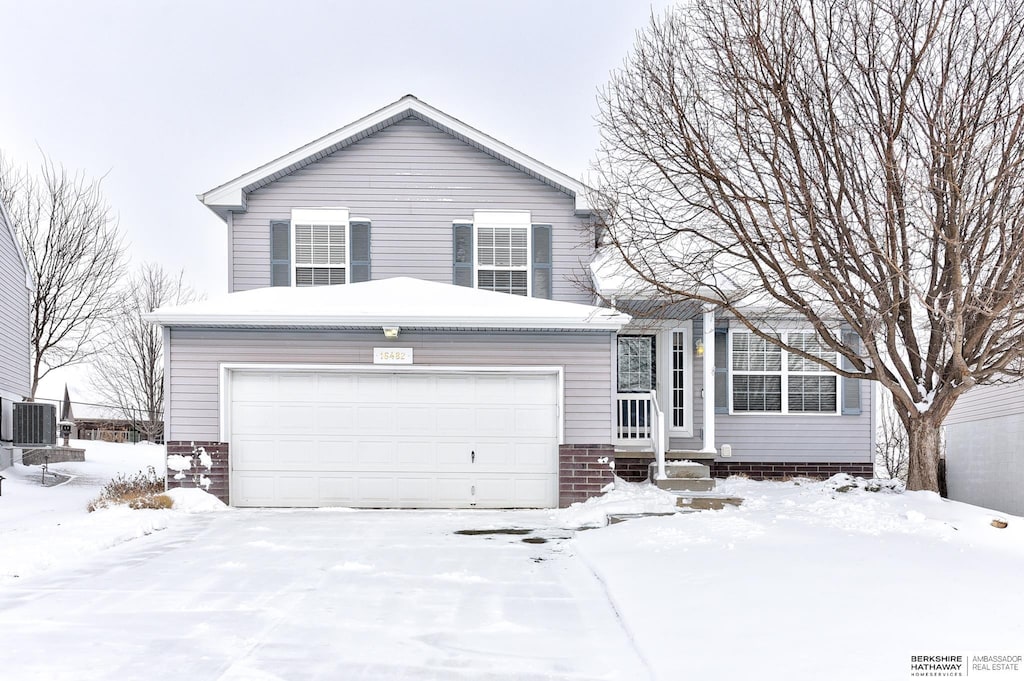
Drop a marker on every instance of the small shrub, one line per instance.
(138, 490)
(156, 501)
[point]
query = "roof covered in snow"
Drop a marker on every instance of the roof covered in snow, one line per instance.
(231, 196)
(401, 301)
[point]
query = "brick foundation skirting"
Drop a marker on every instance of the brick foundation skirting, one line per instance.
(790, 469)
(632, 469)
(217, 473)
(583, 470)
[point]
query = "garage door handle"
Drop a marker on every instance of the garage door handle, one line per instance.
(472, 457)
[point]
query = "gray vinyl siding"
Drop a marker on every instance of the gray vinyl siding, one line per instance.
(987, 402)
(411, 181)
(14, 313)
(782, 438)
(196, 354)
(985, 448)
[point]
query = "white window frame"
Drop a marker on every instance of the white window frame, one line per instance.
(664, 351)
(322, 217)
(501, 219)
(785, 373)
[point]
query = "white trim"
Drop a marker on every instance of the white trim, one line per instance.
(166, 340)
(319, 217)
(231, 196)
(784, 374)
(512, 219)
(665, 366)
(708, 331)
(225, 369)
(6, 218)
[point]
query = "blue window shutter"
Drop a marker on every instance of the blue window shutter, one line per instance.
(462, 254)
(280, 253)
(360, 255)
(722, 370)
(541, 261)
(851, 386)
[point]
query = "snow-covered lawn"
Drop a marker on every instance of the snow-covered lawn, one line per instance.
(803, 581)
(48, 527)
(806, 582)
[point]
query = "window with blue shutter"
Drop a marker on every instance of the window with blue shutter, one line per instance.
(462, 254)
(541, 261)
(360, 255)
(851, 386)
(280, 253)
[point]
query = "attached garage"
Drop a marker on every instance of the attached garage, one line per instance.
(415, 438)
(396, 393)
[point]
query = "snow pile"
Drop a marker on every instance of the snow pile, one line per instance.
(626, 498)
(193, 500)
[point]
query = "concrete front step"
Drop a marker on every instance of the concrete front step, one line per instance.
(681, 469)
(686, 484)
(706, 503)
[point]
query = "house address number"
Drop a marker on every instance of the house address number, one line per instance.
(392, 355)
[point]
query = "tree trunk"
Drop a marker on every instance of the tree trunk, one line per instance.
(924, 434)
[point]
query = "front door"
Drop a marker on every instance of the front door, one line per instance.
(660, 361)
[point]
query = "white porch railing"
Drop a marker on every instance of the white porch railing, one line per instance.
(641, 423)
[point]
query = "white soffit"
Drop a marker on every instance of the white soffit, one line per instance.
(231, 196)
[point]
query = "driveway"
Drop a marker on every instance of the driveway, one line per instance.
(336, 595)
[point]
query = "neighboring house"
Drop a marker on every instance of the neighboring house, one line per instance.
(96, 422)
(985, 448)
(15, 294)
(420, 382)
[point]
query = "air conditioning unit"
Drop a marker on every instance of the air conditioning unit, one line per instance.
(35, 424)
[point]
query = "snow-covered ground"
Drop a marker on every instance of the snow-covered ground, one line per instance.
(48, 527)
(805, 580)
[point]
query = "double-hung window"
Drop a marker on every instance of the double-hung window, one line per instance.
(328, 247)
(501, 250)
(767, 379)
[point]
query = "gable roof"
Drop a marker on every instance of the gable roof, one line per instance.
(231, 196)
(401, 301)
(5, 218)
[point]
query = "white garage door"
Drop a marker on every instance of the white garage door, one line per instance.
(403, 439)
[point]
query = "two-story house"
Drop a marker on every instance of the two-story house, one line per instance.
(413, 321)
(15, 294)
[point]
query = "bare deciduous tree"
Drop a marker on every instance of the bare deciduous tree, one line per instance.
(892, 448)
(129, 372)
(845, 163)
(76, 257)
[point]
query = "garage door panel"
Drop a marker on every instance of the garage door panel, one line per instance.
(375, 419)
(416, 419)
(492, 421)
(535, 421)
(296, 489)
(334, 454)
(335, 418)
(300, 387)
(393, 439)
(375, 488)
(376, 388)
(336, 489)
(336, 387)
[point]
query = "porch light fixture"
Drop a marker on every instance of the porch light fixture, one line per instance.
(391, 331)
(699, 347)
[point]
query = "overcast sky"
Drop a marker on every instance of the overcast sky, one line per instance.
(169, 99)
